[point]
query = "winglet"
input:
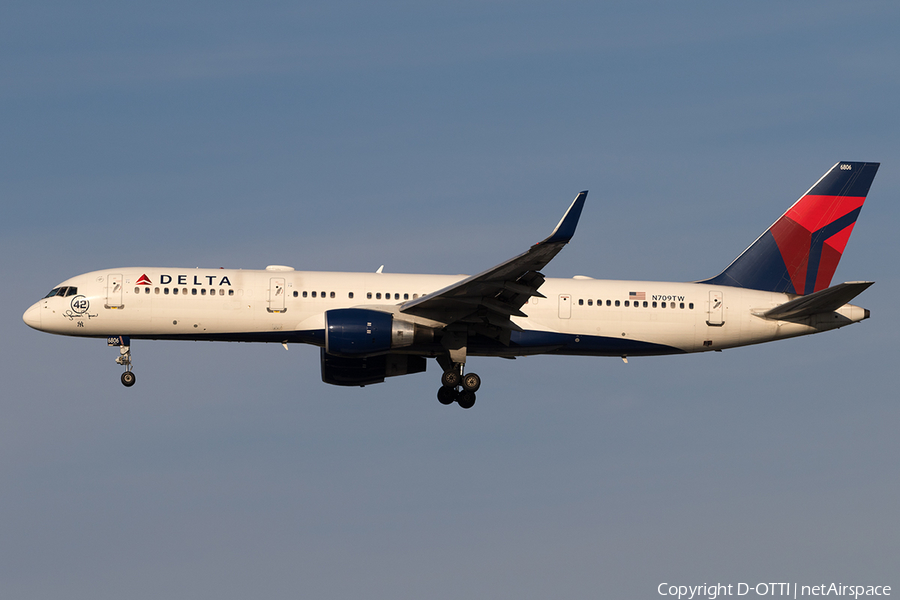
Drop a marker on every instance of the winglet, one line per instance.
(565, 229)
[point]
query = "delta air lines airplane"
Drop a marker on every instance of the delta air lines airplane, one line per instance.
(370, 326)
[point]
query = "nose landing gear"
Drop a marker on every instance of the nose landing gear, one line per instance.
(124, 357)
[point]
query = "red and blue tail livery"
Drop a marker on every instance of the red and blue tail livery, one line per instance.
(800, 252)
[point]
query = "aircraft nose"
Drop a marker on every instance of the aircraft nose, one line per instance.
(32, 316)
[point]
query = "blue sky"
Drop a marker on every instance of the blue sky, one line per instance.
(440, 138)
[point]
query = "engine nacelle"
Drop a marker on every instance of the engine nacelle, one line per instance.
(340, 370)
(355, 332)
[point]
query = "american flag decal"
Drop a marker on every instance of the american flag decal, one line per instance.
(637, 296)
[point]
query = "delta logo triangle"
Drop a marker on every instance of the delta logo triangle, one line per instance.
(143, 280)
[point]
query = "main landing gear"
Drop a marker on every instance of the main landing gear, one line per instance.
(459, 388)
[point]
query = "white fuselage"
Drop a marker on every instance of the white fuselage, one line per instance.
(576, 316)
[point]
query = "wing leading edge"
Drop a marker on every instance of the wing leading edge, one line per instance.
(490, 298)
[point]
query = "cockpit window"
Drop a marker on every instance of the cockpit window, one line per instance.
(62, 291)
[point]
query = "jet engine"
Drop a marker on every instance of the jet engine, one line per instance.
(367, 370)
(357, 332)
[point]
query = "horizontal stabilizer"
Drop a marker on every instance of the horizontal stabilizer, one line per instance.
(824, 301)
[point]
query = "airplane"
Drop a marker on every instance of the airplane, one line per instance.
(371, 326)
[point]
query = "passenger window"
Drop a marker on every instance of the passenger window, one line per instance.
(304, 294)
(137, 290)
(654, 305)
(166, 291)
(350, 295)
(313, 294)
(323, 294)
(406, 296)
(590, 302)
(231, 292)
(580, 302)
(193, 291)
(368, 295)
(681, 305)
(415, 296)
(296, 293)
(203, 291)
(155, 290)
(609, 302)
(671, 305)
(626, 303)
(662, 304)
(175, 291)
(378, 296)
(332, 295)
(396, 296)
(691, 306)
(645, 304)
(617, 302)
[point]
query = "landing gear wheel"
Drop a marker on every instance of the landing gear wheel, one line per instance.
(128, 379)
(466, 399)
(450, 379)
(471, 382)
(446, 395)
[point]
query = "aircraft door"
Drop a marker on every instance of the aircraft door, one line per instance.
(276, 295)
(114, 290)
(715, 315)
(565, 306)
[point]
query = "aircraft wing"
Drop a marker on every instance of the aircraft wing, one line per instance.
(823, 301)
(493, 296)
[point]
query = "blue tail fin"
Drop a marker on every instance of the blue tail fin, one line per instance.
(800, 252)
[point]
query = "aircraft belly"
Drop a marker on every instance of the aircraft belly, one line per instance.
(590, 345)
(312, 337)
